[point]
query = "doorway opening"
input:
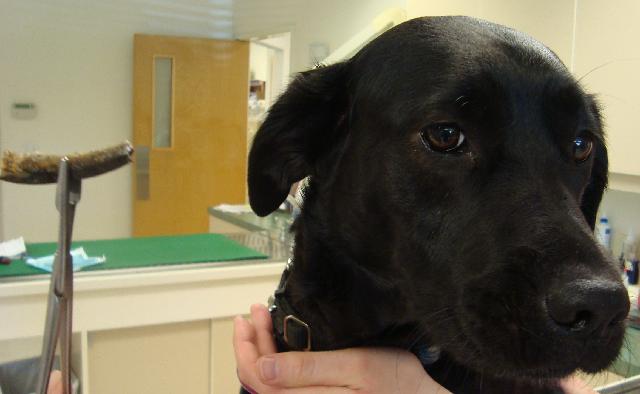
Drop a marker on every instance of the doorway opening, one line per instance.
(269, 68)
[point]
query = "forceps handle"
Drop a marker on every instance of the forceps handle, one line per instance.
(59, 316)
(51, 328)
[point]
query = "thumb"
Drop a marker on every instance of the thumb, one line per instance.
(302, 369)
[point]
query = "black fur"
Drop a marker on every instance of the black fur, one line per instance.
(469, 250)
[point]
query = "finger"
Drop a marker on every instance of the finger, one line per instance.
(264, 329)
(316, 390)
(246, 352)
(574, 385)
(301, 369)
(55, 383)
(244, 337)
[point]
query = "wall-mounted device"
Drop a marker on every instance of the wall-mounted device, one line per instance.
(23, 111)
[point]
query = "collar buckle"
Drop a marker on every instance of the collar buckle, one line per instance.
(293, 337)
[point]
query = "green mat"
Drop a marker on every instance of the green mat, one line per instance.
(143, 252)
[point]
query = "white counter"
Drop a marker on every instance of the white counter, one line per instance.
(119, 300)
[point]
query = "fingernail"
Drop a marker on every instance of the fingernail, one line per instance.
(268, 368)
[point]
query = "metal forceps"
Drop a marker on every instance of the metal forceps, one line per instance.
(67, 172)
(59, 316)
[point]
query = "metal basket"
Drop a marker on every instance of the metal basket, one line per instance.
(630, 385)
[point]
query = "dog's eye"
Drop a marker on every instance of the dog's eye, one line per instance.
(442, 137)
(582, 147)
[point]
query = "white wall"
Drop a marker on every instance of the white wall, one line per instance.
(607, 58)
(334, 21)
(331, 22)
(280, 64)
(258, 61)
(73, 59)
(260, 18)
(269, 60)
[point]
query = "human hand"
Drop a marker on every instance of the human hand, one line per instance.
(574, 385)
(358, 370)
(55, 383)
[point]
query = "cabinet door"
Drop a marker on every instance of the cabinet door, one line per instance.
(607, 60)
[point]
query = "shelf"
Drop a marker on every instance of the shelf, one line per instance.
(624, 182)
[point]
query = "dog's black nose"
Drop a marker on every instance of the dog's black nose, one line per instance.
(588, 306)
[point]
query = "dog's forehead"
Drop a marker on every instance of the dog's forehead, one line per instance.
(460, 61)
(458, 38)
(423, 54)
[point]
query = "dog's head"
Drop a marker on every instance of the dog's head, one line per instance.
(460, 162)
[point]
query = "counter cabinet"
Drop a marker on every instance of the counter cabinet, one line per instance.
(153, 330)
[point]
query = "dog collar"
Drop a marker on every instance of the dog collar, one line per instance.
(293, 334)
(290, 332)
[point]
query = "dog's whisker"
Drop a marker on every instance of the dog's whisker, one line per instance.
(416, 335)
(605, 64)
(433, 315)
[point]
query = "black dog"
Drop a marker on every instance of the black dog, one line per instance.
(455, 169)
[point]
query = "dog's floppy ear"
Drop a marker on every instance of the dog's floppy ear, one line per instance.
(301, 127)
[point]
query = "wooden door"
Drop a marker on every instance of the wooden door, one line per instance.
(190, 131)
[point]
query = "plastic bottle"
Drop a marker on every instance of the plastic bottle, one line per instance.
(628, 254)
(633, 272)
(603, 232)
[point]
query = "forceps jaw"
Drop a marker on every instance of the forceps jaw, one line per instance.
(68, 192)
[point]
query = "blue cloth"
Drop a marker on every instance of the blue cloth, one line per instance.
(78, 256)
(427, 355)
